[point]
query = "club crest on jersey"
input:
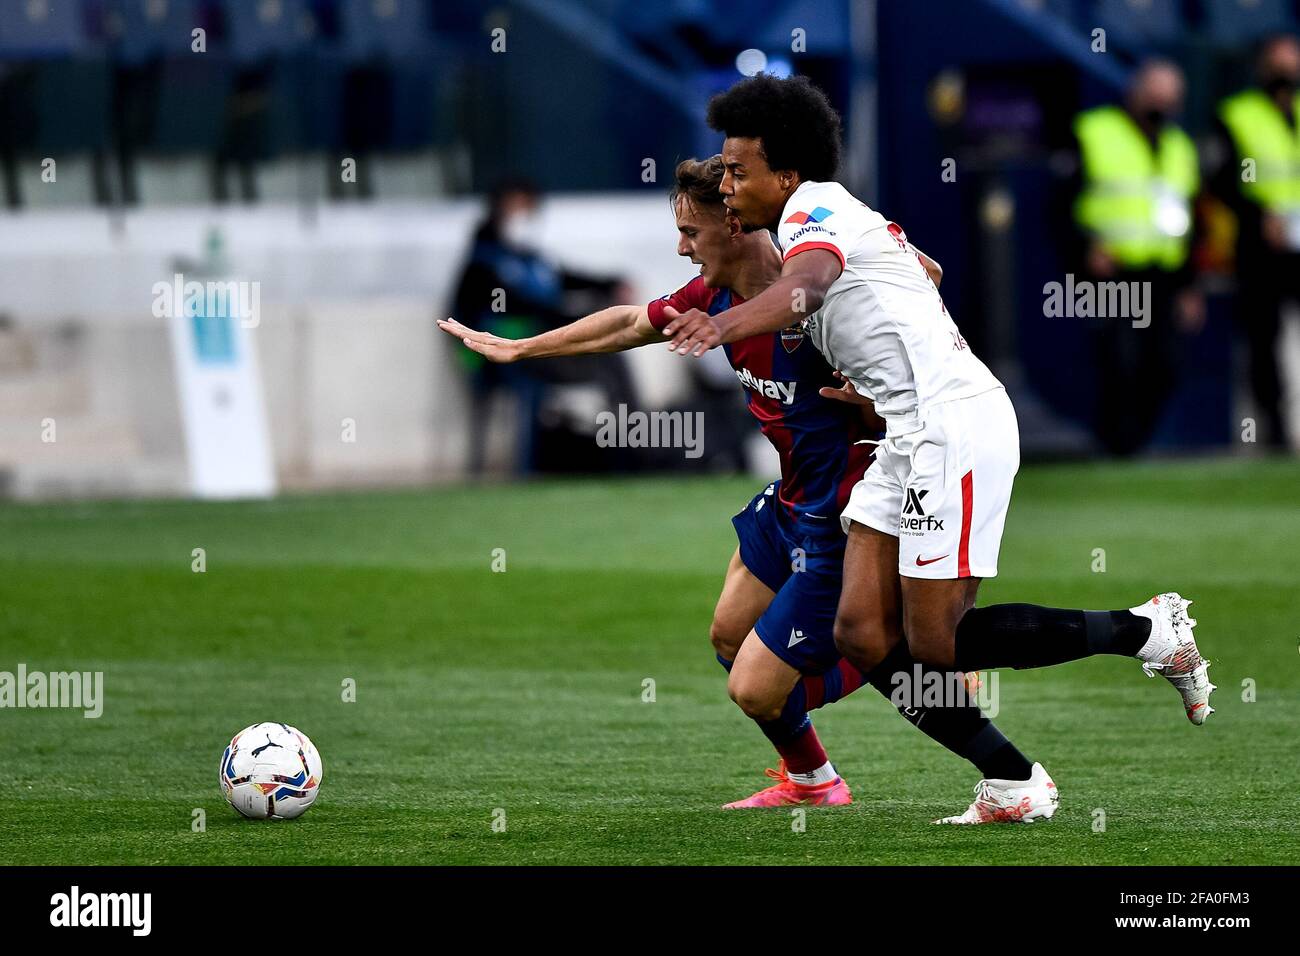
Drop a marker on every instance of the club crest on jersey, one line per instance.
(792, 337)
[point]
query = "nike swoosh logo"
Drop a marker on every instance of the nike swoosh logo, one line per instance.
(922, 562)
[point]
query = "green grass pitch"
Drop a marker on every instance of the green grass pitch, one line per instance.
(522, 691)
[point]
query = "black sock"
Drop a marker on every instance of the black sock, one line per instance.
(997, 757)
(1116, 632)
(960, 728)
(1026, 635)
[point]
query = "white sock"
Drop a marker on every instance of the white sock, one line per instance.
(823, 774)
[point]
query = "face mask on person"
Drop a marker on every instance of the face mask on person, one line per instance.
(1155, 118)
(1281, 85)
(522, 230)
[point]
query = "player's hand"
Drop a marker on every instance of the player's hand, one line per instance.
(491, 347)
(692, 332)
(845, 393)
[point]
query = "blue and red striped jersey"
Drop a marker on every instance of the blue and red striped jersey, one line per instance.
(816, 438)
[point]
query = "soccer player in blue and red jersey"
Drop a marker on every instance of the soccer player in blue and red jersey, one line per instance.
(773, 628)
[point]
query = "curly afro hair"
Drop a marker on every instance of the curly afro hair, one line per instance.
(795, 122)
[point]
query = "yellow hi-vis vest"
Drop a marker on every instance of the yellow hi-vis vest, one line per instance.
(1138, 202)
(1261, 133)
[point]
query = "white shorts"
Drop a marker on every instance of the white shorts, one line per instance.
(943, 490)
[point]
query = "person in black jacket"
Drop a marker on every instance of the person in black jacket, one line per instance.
(508, 288)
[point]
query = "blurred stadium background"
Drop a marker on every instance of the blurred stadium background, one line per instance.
(336, 154)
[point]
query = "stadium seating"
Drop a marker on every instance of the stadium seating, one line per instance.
(1229, 22)
(144, 30)
(255, 32)
(388, 28)
(80, 76)
(1141, 23)
(34, 31)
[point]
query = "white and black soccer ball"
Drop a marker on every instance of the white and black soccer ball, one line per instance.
(271, 771)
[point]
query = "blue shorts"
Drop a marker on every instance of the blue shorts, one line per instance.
(799, 625)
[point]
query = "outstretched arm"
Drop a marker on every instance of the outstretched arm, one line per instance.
(615, 329)
(797, 294)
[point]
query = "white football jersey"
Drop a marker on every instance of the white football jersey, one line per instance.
(883, 324)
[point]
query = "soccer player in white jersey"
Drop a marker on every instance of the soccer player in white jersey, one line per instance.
(775, 679)
(925, 524)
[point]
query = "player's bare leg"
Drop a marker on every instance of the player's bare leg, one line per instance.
(765, 688)
(931, 612)
(763, 681)
(743, 600)
(778, 697)
(868, 624)
(760, 682)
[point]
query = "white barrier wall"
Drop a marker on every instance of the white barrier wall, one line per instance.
(348, 298)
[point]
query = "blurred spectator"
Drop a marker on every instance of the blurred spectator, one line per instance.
(245, 135)
(1134, 181)
(730, 425)
(508, 288)
(1260, 180)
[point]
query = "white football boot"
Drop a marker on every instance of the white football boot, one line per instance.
(1172, 651)
(1011, 801)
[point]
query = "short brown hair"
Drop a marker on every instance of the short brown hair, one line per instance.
(698, 180)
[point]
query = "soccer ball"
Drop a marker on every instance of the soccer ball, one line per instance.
(271, 772)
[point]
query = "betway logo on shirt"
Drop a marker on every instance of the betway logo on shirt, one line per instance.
(765, 386)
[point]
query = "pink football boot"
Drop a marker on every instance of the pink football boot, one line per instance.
(787, 793)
